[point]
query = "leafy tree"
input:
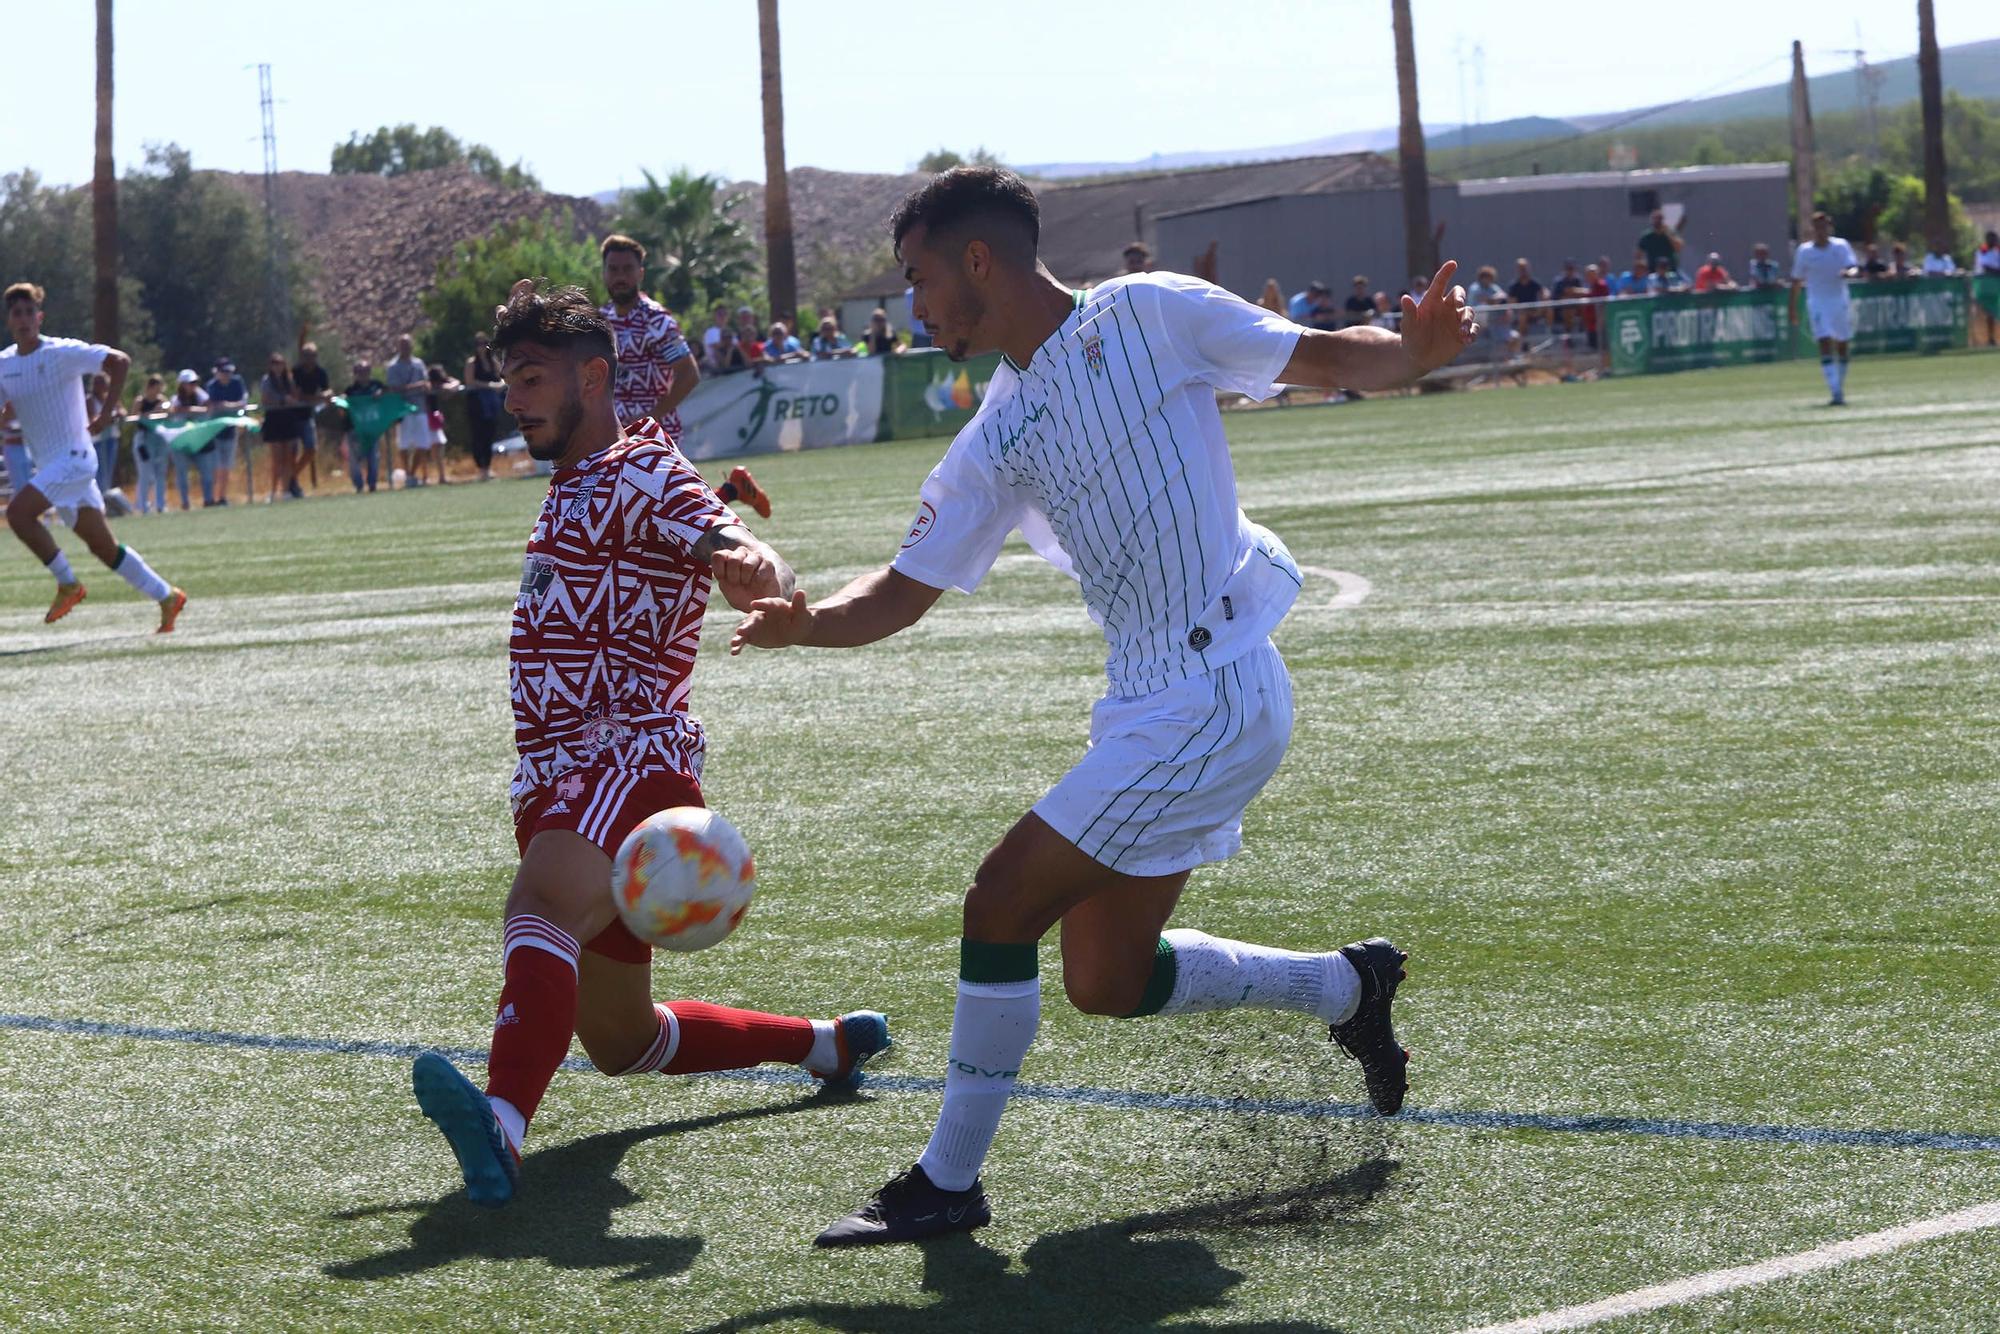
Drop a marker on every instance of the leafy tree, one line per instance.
(688, 218)
(1870, 204)
(944, 159)
(475, 277)
(197, 248)
(395, 150)
(45, 238)
(1971, 144)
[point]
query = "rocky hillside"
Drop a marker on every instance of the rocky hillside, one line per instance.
(374, 242)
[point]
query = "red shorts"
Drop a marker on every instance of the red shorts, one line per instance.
(604, 805)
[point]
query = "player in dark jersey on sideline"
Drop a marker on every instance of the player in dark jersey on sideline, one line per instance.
(656, 371)
(604, 636)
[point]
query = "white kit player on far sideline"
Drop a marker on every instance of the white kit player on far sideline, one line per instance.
(42, 381)
(1099, 440)
(1821, 268)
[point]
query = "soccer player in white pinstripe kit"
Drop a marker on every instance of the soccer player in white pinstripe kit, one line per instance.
(1100, 441)
(42, 379)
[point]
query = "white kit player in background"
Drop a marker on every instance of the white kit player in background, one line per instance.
(42, 380)
(1821, 268)
(1100, 441)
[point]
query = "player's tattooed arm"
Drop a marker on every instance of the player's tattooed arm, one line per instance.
(745, 568)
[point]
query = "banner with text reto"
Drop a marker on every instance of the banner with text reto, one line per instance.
(798, 405)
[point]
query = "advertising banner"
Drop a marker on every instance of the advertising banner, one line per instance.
(927, 395)
(1679, 331)
(1904, 315)
(801, 405)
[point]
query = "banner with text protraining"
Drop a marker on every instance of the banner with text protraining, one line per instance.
(1683, 330)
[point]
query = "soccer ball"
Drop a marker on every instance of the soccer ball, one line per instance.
(683, 879)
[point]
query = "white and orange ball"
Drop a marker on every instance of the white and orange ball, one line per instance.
(683, 879)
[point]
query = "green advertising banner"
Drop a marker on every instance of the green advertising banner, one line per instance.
(924, 394)
(1679, 331)
(1903, 315)
(1986, 291)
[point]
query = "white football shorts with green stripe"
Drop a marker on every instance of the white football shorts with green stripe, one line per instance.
(1163, 787)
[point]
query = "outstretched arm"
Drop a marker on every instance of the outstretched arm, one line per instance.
(873, 607)
(1364, 357)
(746, 569)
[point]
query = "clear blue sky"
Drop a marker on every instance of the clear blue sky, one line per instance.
(589, 92)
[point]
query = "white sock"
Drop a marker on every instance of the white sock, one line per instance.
(824, 1058)
(511, 1121)
(132, 568)
(1832, 375)
(1215, 974)
(991, 1029)
(1840, 375)
(59, 567)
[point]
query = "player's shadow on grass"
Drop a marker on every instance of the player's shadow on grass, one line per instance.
(1130, 1274)
(572, 1193)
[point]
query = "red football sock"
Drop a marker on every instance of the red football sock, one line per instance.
(715, 1037)
(537, 1012)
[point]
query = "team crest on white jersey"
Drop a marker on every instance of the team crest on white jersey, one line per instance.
(1093, 354)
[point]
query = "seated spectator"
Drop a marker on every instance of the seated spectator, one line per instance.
(1138, 258)
(1324, 313)
(1637, 280)
(1939, 261)
(1386, 314)
(1360, 303)
(729, 355)
(1568, 286)
(1763, 270)
(1527, 290)
(1872, 264)
(1899, 262)
(718, 320)
(1485, 295)
(1272, 298)
(830, 342)
(1300, 305)
(1597, 287)
(879, 338)
(748, 332)
(1988, 258)
(1669, 278)
(1485, 289)
(779, 345)
(1712, 277)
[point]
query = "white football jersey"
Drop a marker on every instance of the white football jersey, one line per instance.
(1824, 269)
(1107, 452)
(46, 389)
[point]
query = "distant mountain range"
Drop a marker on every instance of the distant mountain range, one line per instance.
(1972, 69)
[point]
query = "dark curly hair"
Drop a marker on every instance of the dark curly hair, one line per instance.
(555, 317)
(990, 202)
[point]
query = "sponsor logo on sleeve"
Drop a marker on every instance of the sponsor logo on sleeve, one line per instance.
(921, 529)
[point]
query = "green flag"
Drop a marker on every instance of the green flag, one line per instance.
(374, 414)
(193, 437)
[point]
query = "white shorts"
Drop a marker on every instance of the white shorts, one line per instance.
(70, 484)
(1832, 320)
(1163, 786)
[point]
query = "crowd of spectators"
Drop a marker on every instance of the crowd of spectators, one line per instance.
(1566, 310)
(741, 342)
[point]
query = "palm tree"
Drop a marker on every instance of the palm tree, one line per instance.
(1937, 204)
(1417, 238)
(104, 197)
(687, 216)
(781, 263)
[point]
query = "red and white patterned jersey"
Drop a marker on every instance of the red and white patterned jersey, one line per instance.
(609, 615)
(649, 342)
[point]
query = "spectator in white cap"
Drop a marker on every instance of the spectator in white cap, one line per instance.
(1712, 277)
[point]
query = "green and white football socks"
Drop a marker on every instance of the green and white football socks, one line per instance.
(999, 1008)
(132, 568)
(1194, 972)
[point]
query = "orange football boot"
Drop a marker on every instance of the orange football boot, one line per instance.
(170, 611)
(67, 596)
(749, 492)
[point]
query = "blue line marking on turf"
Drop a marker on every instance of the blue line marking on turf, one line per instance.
(1095, 1097)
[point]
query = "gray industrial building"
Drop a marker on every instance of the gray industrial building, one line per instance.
(1330, 218)
(1545, 219)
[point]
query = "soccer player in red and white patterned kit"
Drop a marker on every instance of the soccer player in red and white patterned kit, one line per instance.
(656, 371)
(604, 635)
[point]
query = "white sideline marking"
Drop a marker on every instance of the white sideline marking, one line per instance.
(1354, 589)
(1746, 1276)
